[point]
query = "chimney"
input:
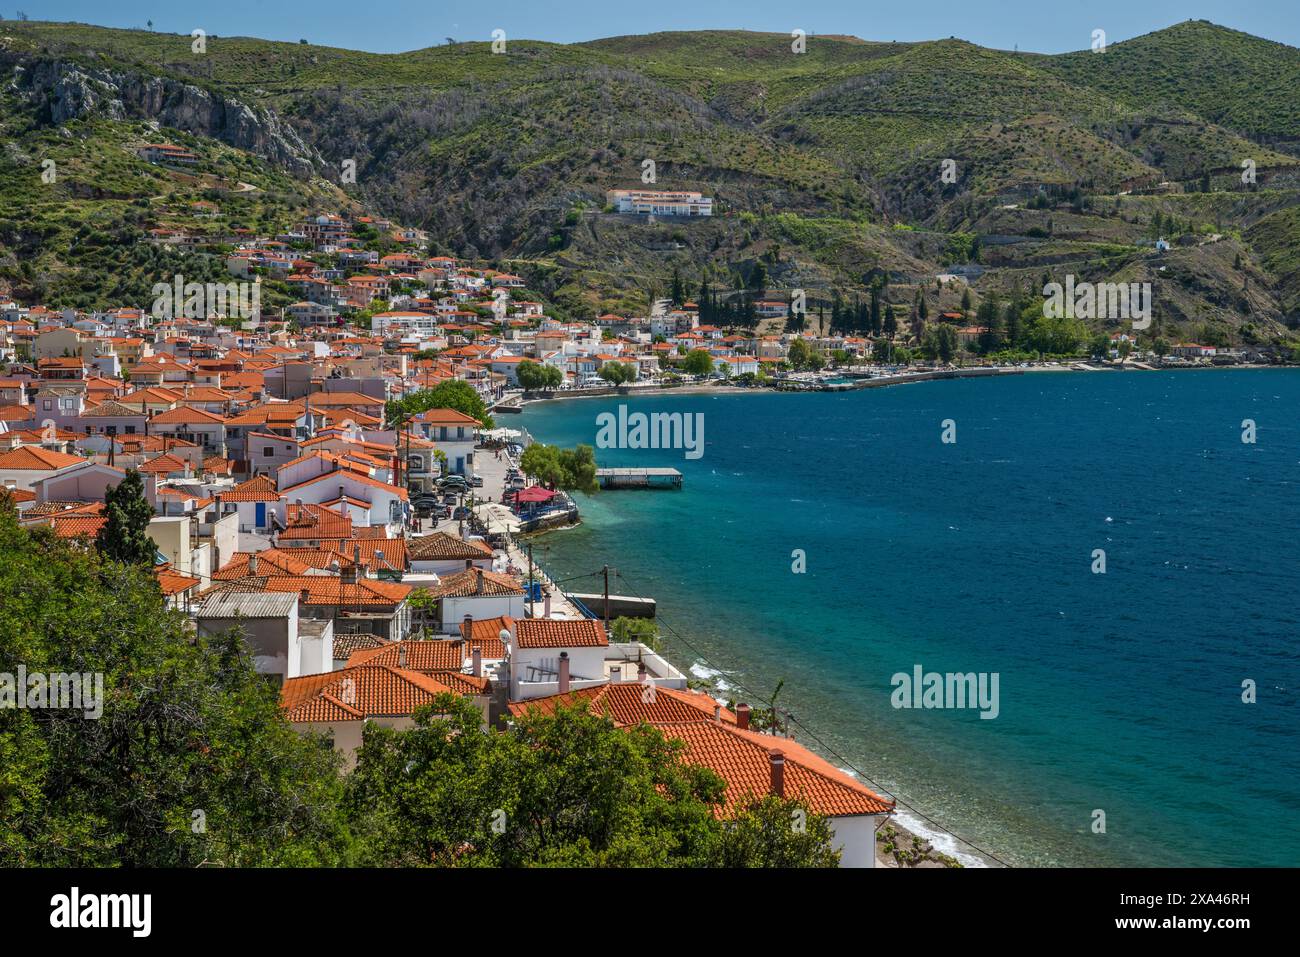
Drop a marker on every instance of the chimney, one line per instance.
(469, 563)
(616, 674)
(717, 713)
(778, 771)
(343, 494)
(252, 564)
(304, 597)
(478, 581)
(742, 716)
(564, 672)
(642, 673)
(401, 654)
(547, 608)
(476, 661)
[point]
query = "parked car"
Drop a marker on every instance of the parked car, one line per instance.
(476, 481)
(453, 483)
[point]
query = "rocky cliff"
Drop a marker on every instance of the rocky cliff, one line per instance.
(66, 91)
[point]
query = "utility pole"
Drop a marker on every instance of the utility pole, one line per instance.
(606, 571)
(530, 579)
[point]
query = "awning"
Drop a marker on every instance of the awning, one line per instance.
(534, 493)
(501, 435)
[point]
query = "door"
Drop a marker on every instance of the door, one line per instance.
(261, 515)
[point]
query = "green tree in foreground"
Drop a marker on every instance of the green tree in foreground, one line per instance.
(191, 760)
(569, 789)
(124, 537)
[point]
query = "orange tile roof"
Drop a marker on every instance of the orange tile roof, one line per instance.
(432, 655)
(186, 415)
(172, 581)
(259, 488)
(627, 703)
(743, 760)
(331, 590)
(554, 633)
(486, 632)
(446, 417)
(271, 561)
(357, 693)
(164, 465)
(77, 525)
(315, 522)
(35, 458)
(443, 546)
(465, 584)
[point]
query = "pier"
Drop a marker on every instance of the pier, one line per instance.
(620, 606)
(639, 478)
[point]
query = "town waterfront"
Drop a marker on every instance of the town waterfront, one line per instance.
(1119, 692)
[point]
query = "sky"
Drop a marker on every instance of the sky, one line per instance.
(1041, 26)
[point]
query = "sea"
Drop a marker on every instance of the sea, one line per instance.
(1120, 549)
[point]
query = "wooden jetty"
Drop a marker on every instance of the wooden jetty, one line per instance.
(639, 478)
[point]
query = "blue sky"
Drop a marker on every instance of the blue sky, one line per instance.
(1046, 26)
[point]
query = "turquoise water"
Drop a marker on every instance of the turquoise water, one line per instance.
(1118, 692)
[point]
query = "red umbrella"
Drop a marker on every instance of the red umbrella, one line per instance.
(534, 493)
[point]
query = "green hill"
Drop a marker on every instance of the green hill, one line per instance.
(825, 165)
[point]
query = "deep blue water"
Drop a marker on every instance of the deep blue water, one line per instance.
(1118, 691)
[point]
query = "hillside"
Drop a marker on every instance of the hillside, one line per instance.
(825, 165)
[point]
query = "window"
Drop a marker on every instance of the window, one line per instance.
(268, 452)
(130, 430)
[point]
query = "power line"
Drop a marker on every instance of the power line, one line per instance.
(809, 731)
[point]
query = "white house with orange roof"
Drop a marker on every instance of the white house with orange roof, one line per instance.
(753, 765)
(455, 433)
(554, 656)
(24, 466)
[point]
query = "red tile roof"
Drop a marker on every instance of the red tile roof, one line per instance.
(357, 693)
(629, 703)
(743, 759)
(466, 584)
(555, 633)
(443, 546)
(37, 459)
(259, 488)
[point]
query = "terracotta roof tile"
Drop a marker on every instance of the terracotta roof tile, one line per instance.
(443, 546)
(743, 759)
(555, 633)
(37, 459)
(628, 703)
(356, 693)
(465, 584)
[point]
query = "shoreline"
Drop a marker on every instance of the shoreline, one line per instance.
(904, 839)
(522, 400)
(912, 832)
